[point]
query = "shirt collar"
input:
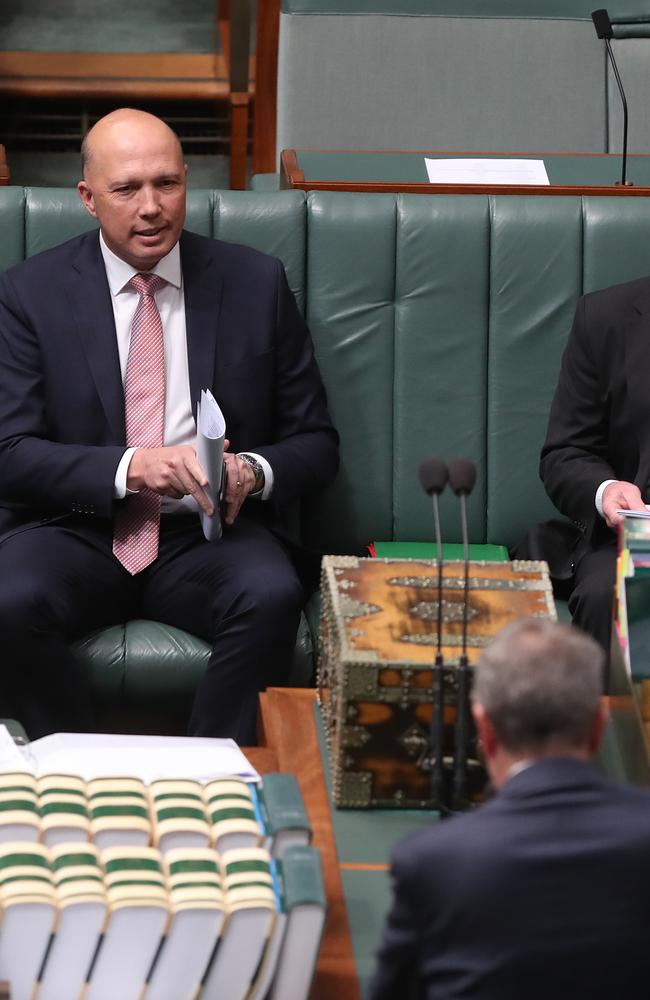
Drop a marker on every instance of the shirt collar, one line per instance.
(119, 273)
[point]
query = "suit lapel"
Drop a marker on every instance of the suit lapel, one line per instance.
(203, 288)
(93, 313)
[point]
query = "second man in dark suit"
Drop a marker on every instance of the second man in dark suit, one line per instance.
(543, 891)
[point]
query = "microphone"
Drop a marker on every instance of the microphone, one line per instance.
(604, 30)
(433, 479)
(462, 477)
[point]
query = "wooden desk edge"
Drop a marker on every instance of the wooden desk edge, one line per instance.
(293, 178)
(288, 729)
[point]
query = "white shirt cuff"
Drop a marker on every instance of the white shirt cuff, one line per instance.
(599, 495)
(268, 477)
(119, 486)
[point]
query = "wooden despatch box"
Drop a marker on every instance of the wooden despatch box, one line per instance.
(378, 643)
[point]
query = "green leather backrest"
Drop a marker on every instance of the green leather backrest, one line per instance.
(438, 323)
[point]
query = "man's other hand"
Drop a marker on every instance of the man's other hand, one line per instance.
(172, 472)
(620, 496)
(240, 482)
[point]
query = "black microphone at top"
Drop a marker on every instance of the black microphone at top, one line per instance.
(604, 30)
(462, 477)
(433, 479)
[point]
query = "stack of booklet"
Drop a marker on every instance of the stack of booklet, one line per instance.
(111, 888)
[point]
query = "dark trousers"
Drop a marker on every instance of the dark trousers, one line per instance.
(61, 581)
(592, 599)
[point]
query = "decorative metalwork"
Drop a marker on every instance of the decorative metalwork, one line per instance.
(354, 737)
(353, 789)
(420, 639)
(414, 740)
(360, 680)
(452, 611)
(458, 583)
(350, 608)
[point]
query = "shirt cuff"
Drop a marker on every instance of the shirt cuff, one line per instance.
(599, 495)
(268, 477)
(119, 486)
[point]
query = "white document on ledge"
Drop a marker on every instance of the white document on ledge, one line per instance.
(210, 434)
(104, 755)
(480, 170)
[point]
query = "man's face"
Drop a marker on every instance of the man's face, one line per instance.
(134, 185)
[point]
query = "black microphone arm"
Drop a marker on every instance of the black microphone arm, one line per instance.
(604, 30)
(433, 478)
(462, 477)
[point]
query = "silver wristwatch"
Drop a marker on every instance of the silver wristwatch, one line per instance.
(257, 469)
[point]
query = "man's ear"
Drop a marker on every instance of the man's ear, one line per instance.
(87, 199)
(486, 735)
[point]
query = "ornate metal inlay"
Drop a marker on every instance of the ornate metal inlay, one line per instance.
(452, 611)
(350, 608)
(418, 639)
(458, 583)
(414, 740)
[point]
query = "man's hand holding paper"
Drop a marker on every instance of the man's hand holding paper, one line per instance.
(172, 472)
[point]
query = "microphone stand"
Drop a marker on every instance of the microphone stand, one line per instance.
(438, 687)
(461, 732)
(623, 182)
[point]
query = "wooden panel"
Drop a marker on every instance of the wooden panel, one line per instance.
(115, 74)
(4, 169)
(288, 728)
(266, 74)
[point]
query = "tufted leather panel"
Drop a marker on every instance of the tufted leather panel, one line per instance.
(441, 299)
(274, 225)
(535, 279)
(12, 244)
(351, 313)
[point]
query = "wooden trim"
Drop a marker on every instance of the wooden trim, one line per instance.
(288, 728)
(291, 176)
(239, 113)
(4, 168)
(290, 173)
(266, 77)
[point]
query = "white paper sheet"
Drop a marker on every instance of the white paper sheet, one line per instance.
(643, 515)
(210, 434)
(481, 170)
(96, 755)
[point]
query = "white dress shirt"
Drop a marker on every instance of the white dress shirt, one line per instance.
(179, 423)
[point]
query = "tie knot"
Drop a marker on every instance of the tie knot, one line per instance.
(147, 284)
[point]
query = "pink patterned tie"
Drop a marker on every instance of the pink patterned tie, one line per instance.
(137, 526)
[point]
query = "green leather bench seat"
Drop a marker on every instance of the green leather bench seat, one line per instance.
(438, 323)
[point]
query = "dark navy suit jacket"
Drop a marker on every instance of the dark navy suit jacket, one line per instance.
(543, 893)
(62, 427)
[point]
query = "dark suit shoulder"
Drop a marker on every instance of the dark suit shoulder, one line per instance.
(616, 298)
(56, 259)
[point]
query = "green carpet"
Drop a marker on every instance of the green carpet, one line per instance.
(108, 26)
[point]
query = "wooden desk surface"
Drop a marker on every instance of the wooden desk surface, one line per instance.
(402, 171)
(289, 742)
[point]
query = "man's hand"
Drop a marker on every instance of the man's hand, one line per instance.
(620, 496)
(172, 472)
(239, 483)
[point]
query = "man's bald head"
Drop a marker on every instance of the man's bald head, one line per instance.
(119, 121)
(134, 185)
